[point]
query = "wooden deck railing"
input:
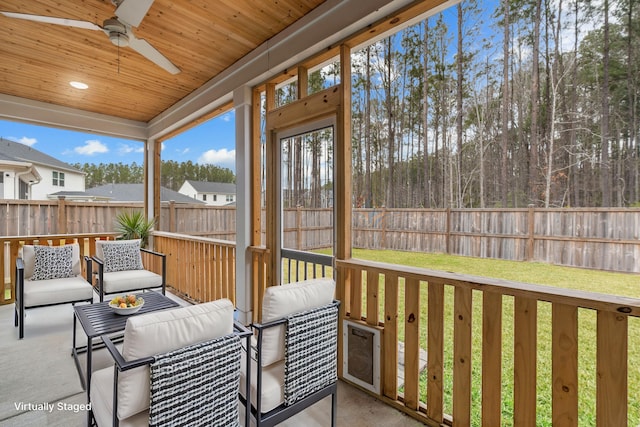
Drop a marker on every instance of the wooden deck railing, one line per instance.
(498, 353)
(10, 248)
(198, 268)
(528, 354)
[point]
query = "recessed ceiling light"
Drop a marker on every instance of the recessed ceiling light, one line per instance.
(79, 85)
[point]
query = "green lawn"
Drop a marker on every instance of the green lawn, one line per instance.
(565, 277)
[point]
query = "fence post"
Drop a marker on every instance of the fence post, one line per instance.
(172, 216)
(298, 228)
(62, 215)
(448, 238)
(530, 239)
(384, 228)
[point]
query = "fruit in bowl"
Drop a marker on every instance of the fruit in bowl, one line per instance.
(126, 304)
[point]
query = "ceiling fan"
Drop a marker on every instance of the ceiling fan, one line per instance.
(128, 14)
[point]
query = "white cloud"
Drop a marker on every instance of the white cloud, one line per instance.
(124, 149)
(24, 140)
(223, 157)
(91, 147)
(183, 151)
(27, 141)
(228, 117)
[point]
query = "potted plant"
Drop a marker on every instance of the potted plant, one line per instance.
(133, 225)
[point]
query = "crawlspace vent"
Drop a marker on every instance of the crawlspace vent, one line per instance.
(361, 358)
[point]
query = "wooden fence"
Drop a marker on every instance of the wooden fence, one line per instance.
(598, 238)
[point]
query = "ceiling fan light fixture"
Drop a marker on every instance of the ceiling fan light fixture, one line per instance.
(117, 32)
(119, 39)
(79, 85)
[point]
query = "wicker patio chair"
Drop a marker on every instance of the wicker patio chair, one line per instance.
(176, 367)
(120, 268)
(294, 358)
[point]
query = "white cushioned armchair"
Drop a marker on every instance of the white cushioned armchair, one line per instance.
(49, 275)
(294, 354)
(177, 366)
(120, 268)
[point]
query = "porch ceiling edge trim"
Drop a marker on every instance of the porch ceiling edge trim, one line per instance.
(36, 112)
(328, 24)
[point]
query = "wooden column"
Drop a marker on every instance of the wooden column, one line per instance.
(271, 193)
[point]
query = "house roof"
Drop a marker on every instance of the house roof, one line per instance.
(213, 187)
(135, 193)
(15, 151)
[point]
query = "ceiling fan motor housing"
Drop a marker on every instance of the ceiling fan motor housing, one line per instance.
(117, 32)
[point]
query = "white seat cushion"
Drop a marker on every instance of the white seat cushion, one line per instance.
(272, 383)
(56, 291)
(160, 332)
(122, 281)
(102, 391)
(280, 301)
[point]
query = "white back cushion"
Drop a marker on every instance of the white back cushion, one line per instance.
(119, 255)
(280, 301)
(29, 259)
(160, 332)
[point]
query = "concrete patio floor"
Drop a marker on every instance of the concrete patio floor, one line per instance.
(39, 383)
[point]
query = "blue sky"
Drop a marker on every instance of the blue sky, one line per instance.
(210, 143)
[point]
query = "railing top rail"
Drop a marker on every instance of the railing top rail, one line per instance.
(320, 259)
(191, 238)
(55, 236)
(493, 210)
(583, 299)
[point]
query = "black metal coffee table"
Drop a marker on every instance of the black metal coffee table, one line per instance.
(98, 319)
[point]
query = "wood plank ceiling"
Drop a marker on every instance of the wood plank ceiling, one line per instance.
(200, 37)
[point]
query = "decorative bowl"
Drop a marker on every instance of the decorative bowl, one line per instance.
(125, 308)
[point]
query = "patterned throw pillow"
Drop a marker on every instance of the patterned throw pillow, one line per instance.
(52, 262)
(122, 256)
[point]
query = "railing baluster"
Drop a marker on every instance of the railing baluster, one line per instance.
(462, 357)
(611, 390)
(564, 365)
(435, 351)
(491, 359)
(356, 294)
(373, 306)
(390, 337)
(411, 342)
(525, 339)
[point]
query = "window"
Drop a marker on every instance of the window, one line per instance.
(204, 197)
(215, 197)
(23, 190)
(58, 179)
(229, 197)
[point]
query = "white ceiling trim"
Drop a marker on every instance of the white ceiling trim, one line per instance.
(45, 114)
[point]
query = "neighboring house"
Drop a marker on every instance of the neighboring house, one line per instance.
(134, 193)
(212, 193)
(29, 174)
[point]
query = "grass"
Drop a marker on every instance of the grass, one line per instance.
(544, 274)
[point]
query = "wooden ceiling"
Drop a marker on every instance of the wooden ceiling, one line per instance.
(201, 37)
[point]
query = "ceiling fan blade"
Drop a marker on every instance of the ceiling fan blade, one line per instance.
(51, 20)
(133, 11)
(152, 54)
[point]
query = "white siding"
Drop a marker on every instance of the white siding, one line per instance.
(72, 182)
